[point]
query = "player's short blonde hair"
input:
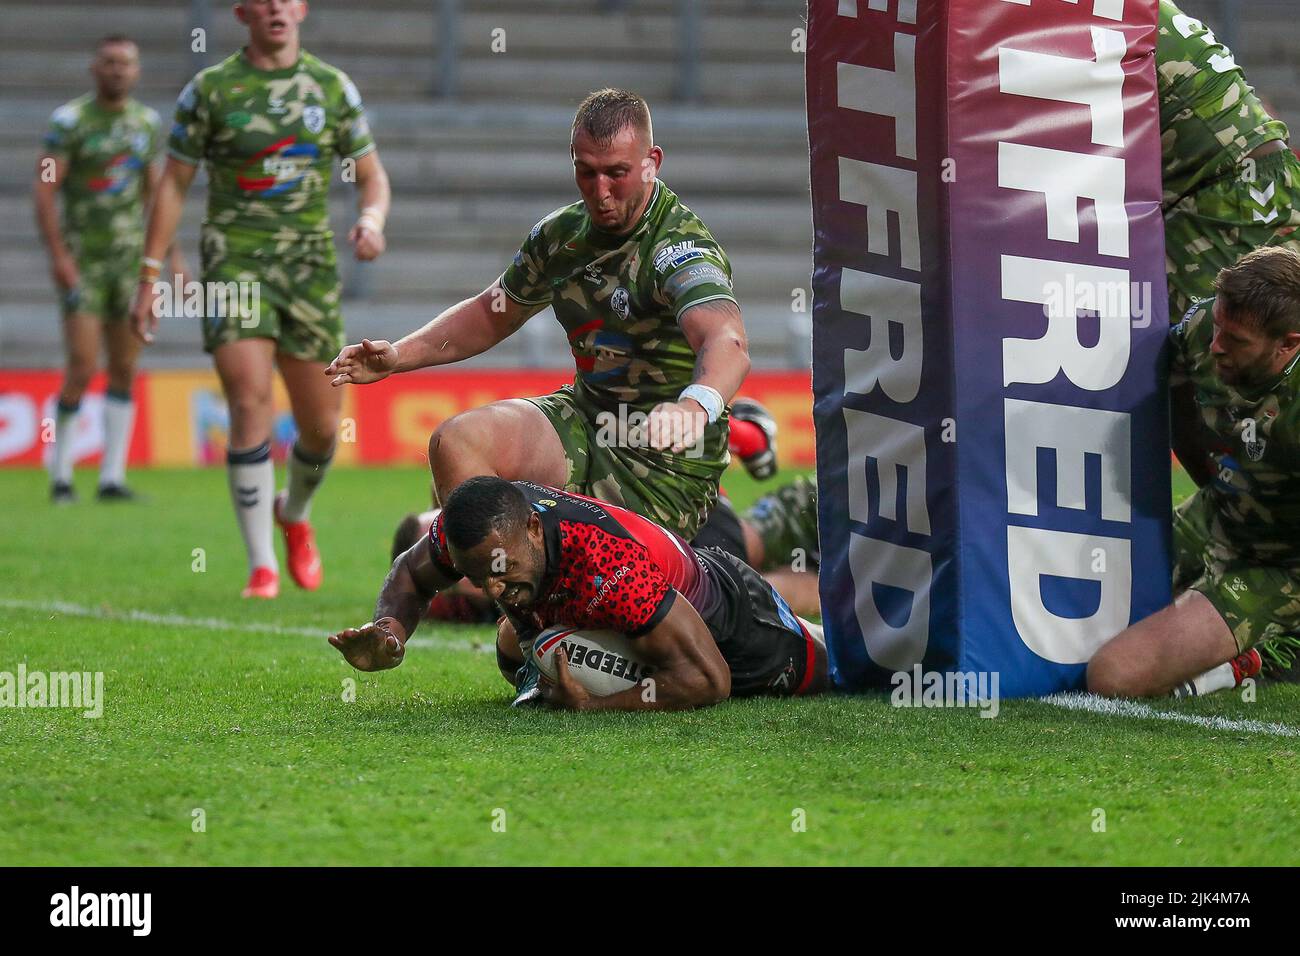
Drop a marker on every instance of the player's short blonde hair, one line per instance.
(1262, 290)
(606, 112)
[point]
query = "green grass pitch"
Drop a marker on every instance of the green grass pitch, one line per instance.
(237, 709)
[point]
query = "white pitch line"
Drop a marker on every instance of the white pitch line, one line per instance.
(209, 623)
(1131, 708)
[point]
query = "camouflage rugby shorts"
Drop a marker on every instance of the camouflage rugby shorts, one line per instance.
(105, 287)
(1259, 602)
(677, 491)
(287, 294)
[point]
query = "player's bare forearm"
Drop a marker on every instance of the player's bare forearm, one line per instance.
(373, 190)
(169, 201)
(683, 689)
(716, 332)
(467, 329)
(44, 199)
(412, 582)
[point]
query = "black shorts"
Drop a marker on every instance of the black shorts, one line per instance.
(722, 531)
(765, 646)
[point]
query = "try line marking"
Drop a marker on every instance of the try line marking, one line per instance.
(213, 623)
(1132, 708)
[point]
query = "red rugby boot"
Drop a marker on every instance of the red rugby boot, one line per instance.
(262, 583)
(300, 544)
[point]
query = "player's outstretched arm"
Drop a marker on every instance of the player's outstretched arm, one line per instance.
(164, 217)
(689, 670)
(467, 329)
(381, 643)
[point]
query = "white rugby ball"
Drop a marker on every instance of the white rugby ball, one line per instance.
(604, 662)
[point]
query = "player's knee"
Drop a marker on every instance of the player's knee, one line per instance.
(451, 438)
(454, 453)
(1109, 676)
(247, 403)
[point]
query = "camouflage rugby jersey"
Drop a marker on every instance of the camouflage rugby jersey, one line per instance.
(1210, 117)
(108, 154)
(269, 138)
(620, 298)
(1254, 439)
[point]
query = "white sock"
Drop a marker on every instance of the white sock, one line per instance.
(1216, 678)
(252, 491)
(119, 416)
(61, 461)
(305, 473)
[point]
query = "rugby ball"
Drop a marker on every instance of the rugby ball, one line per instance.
(604, 662)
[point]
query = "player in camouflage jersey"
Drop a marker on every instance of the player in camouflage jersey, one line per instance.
(644, 294)
(1236, 427)
(269, 122)
(99, 156)
(1231, 184)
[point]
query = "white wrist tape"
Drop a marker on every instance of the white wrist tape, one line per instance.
(373, 217)
(710, 399)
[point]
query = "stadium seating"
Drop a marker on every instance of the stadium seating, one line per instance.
(471, 173)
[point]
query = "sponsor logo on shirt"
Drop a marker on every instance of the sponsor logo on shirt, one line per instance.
(604, 585)
(117, 174)
(687, 279)
(282, 165)
(677, 255)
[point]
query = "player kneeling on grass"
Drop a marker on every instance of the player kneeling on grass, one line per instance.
(1235, 413)
(708, 625)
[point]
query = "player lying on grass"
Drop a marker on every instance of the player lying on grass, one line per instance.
(787, 512)
(777, 536)
(1235, 416)
(708, 623)
(643, 292)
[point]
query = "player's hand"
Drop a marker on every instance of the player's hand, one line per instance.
(564, 692)
(64, 271)
(374, 646)
(144, 320)
(364, 363)
(367, 243)
(675, 425)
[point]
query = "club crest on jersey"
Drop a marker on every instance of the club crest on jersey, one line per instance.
(313, 117)
(619, 302)
(1255, 449)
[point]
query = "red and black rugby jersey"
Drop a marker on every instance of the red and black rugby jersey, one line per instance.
(606, 567)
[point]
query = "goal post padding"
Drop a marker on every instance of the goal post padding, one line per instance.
(989, 320)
